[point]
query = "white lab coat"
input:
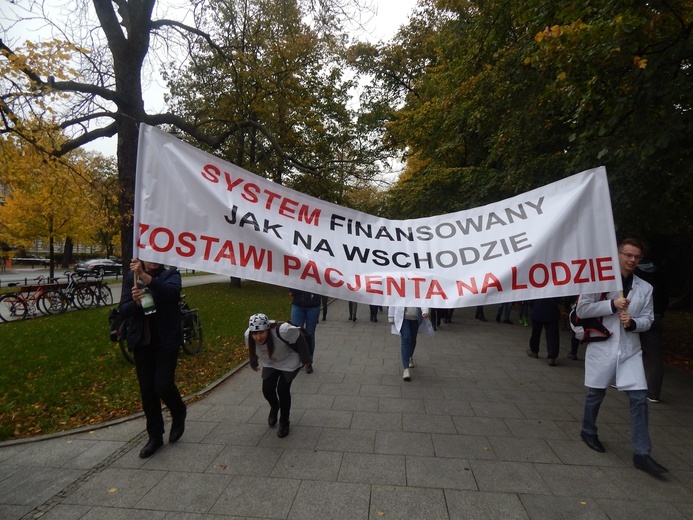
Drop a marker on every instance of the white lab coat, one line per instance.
(396, 316)
(618, 360)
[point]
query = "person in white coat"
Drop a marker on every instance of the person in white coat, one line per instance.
(405, 322)
(618, 360)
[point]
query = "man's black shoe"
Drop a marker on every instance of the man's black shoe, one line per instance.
(272, 419)
(647, 463)
(283, 430)
(151, 447)
(177, 428)
(309, 370)
(593, 442)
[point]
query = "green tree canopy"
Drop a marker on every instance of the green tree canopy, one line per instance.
(508, 96)
(278, 69)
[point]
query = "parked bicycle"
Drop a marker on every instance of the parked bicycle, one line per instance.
(31, 300)
(77, 292)
(102, 292)
(190, 324)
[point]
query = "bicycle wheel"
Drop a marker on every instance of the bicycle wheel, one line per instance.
(82, 297)
(12, 307)
(104, 295)
(123, 343)
(52, 301)
(192, 333)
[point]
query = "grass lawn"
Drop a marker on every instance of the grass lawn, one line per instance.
(62, 372)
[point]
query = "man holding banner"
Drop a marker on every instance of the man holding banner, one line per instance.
(619, 359)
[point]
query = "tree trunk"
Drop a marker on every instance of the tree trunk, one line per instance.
(51, 256)
(67, 252)
(127, 163)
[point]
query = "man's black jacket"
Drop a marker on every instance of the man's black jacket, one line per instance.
(165, 288)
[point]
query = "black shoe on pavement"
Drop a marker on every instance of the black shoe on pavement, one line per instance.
(177, 427)
(309, 370)
(647, 463)
(272, 418)
(572, 356)
(283, 430)
(532, 354)
(151, 447)
(508, 322)
(592, 442)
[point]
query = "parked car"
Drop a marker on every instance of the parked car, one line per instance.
(31, 260)
(99, 266)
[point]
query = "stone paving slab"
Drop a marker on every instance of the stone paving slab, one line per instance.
(481, 431)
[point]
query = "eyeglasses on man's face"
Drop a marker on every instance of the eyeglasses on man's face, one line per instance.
(631, 256)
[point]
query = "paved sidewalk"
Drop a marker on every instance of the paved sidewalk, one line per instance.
(481, 432)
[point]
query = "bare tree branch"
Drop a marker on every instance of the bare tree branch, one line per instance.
(194, 130)
(87, 137)
(157, 24)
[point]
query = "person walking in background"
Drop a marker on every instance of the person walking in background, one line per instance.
(618, 360)
(373, 312)
(439, 316)
(352, 311)
(305, 312)
(323, 304)
(545, 315)
(651, 340)
(523, 317)
(504, 311)
(480, 313)
(271, 343)
(155, 339)
(405, 322)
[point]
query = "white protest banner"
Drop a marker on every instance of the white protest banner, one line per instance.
(196, 211)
